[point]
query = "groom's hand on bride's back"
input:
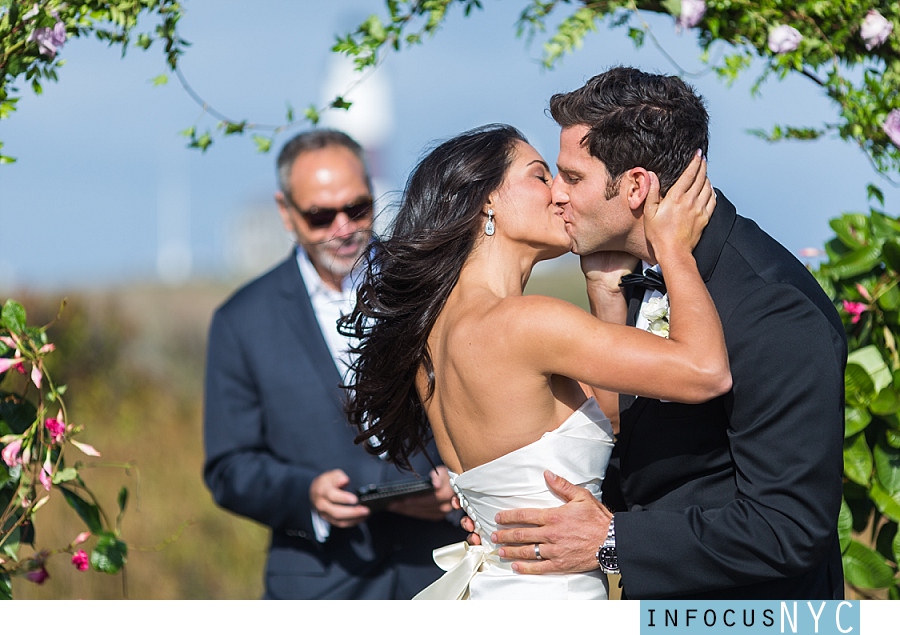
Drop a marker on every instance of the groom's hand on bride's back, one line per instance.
(568, 536)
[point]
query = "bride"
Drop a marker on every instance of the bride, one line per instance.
(450, 346)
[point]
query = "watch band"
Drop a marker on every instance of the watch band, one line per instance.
(606, 553)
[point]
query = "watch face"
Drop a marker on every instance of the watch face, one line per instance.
(608, 558)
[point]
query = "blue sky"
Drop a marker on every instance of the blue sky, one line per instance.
(103, 178)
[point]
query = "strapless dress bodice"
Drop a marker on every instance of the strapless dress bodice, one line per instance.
(579, 451)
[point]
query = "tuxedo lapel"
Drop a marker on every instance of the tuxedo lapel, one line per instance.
(298, 313)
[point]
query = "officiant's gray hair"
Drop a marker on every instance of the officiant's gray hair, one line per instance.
(316, 140)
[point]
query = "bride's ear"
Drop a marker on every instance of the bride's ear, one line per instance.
(635, 187)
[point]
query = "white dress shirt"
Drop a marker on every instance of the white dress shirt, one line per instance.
(329, 305)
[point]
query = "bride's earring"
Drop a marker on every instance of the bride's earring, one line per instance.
(489, 226)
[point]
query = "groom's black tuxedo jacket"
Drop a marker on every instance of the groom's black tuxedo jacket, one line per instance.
(273, 421)
(739, 497)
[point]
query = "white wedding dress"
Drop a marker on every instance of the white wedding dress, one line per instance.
(579, 451)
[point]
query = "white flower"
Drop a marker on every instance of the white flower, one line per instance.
(656, 311)
(784, 39)
(875, 29)
(659, 327)
(691, 13)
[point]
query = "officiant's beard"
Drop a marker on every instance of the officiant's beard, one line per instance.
(339, 255)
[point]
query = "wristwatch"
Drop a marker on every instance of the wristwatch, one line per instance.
(606, 554)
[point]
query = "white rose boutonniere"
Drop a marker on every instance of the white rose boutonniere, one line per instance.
(656, 311)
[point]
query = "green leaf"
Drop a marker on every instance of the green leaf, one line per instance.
(850, 229)
(887, 467)
(263, 144)
(891, 252)
(869, 357)
(5, 586)
(857, 459)
(895, 547)
(887, 504)
(858, 384)
(311, 114)
(845, 525)
(887, 536)
(18, 413)
(13, 316)
(110, 554)
(892, 438)
(88, 512)
(855, 420)
(874, 192)
(289, 115)
(865, 568)
(64, 475)
(857, 262)
(887, 402)
(11, 547)
(160, 80)
(341, 103)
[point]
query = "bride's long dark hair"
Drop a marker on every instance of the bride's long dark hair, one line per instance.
(408, 277)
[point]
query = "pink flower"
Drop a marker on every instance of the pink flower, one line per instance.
(56, 428)
(46, 474)
(80, 560)
(10, 362)
(784, 39)
(891, 127)
(11, 453)
(36, 376)
(49, 39)
(84, 447)
(810, 252)
(80, 538)
(38, 576)
(863, 292)
(692, 11)
(875, 29)
(855, 309)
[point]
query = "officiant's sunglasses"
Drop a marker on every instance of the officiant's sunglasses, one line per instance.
(321, 217)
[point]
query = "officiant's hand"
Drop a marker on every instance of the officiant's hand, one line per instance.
(334, 504)
(567, 536)
(431, 506)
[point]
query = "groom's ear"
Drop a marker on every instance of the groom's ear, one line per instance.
(635, 186)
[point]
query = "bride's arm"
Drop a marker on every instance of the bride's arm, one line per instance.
(602, 272)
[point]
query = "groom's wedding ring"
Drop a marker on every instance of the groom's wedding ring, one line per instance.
(537, 551)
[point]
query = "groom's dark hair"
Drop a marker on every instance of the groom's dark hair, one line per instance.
(637, 119)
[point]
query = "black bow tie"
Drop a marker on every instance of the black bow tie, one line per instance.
(650, 279)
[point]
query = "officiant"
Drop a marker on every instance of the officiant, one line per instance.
(279, 449)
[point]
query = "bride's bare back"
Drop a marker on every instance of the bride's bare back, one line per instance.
(488, 401)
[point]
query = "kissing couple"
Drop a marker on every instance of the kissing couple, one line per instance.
(685, 434)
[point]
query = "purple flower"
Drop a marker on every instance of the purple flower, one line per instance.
(784, 39)
(38, 576)
(891, 127)
(49, 39)
(875, 29)
(692, 11)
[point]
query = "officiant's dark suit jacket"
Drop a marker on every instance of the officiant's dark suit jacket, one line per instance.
(274, 420)
(739, 497)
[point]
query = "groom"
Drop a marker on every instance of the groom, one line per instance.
(737, 497)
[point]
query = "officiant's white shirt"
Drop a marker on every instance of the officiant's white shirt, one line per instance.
(329, 305)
